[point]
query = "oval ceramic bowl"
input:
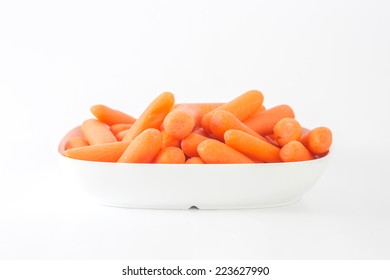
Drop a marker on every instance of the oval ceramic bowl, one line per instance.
(182, 186)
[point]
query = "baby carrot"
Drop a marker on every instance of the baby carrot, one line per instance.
(143, 148)
(318, 140)
(190, 144)
(75, 142)
(96, 132)
(110, 116)
(170, 155)
(116, 128)
(204, 108)
(181, 121)
(106, 152)
(295, 151)
(119, 136)
(286, 130)
(263, 123)
(251, 146)
(221, 121)
(169, 140)
(242, 107)
(195, 160)
(214, 151)
(153, 115)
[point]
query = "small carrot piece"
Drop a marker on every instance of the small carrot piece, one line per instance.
(76, 142)
(106, 152)
(261, 109)
(222, 121)
(263, 123)
(110, 116)
(181, 121)
(318, 140)
(119, 136)
(251, 146)
(204, 108)
(170, 155)
(153, 116)
(169, 140)
(189, 145)
(116, 128)
(294, 151)
(242, 107)
(143, 148)
(286, 130)
(214, 151)
(96, 132)
(195, 160)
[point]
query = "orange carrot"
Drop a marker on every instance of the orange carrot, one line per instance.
(295, 151)
(119, 136)
(214, 151)
(251, 146)
(190, 144)
(116, 128)
(110, 116)
(153, 116)
(195, 160)
(204, 108)
(200, 131)
(96, 132)
(286, 130)
(143, 148)
(221, 121)
(76, 142)
(170, 155)
(318, 140)
(242, 107)
(263, 123)
(181, 121)
(169, 140)
(106, 152)
(271, 139)
(261, 109)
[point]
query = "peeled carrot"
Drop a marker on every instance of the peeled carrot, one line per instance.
(214, 151)
(286, 130)
(261, 109)
(263, 123)
(195, 160)
(295, 151)
(318, 140)
(221, 121)
(110, 116)
(143, 148)
(204, 108)
(116, 128)
(170, 155)
(96, 132)
(153, 116)
(119, 136)
(251, 146)
(169, 140)
(242, 107)
(76, 142)
(106, 152)
(189, 145)
(181, 121)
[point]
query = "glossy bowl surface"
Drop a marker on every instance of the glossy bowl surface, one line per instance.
(181, 186)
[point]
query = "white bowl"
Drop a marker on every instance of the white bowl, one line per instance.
(181, 186)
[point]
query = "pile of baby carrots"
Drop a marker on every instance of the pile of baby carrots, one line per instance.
(239, 131)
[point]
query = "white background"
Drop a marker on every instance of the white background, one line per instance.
(330, 60)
